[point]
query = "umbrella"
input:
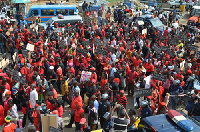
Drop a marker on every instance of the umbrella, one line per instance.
(20, 1)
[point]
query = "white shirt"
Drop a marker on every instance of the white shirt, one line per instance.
(113, 57)
(96, 105)
(175, 25)
(33, 97)
(4, 95)
(113, 70)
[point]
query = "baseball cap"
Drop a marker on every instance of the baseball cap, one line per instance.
(82, 121)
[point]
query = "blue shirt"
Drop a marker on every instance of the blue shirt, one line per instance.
(146, 112)
(175, 90)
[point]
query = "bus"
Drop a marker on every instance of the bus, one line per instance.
(47, 11)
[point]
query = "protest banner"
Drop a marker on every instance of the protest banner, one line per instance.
(49, 120)
(111, 49)
(101, 52)
(165, 48)
(156, 48)
(142, 92)
(85, 76)
(159, 77)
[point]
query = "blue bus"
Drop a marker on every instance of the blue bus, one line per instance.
(47, 11)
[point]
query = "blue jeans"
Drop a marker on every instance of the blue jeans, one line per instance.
(2, 48)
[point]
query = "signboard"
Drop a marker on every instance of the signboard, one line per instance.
(49, 120)
(111, 49)
(159, 77)
(144, 31)
(30, 47)
(82, 51)
(192, 47)
(85, 76)
(165, 48)
(101, 52)
(32, 18)
(156, 48)
(140, 22)
(142, 92)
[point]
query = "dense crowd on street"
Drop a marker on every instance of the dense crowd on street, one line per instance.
(52, 73)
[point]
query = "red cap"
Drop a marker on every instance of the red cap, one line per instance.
(1, 30)
(54, 112)
(82, 121)
(93, 69)
(189, 72)
(121, 91)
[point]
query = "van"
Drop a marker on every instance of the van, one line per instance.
(73, 19)
(47, 11)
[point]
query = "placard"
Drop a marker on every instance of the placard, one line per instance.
(111, 49)
(87, 42)
(144, 31)
(156, 48)
(30, 47)
(14, 56)
(140, 22)
(142, 92)
(32, 18)
(101, 52)
(85, 76)
(82, 51)
(3, 63)
(53, 129)
(49, 120)
(165, 48)
(192, 47)
(159, 77)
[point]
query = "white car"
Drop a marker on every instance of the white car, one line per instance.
(175, 4)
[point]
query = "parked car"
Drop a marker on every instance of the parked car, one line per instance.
(163, 123)
(153, 22)
(176, 3)
(73, 19)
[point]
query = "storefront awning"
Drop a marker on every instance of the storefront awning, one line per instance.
(20, 1)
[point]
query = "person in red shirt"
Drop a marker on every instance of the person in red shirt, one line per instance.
(8, 97)
(149, 67)
(4, 83)
(93, 75)
(59, 108)
(76, 99)
(71, 68)
(165, 32)
(55, 95)
(1, 115)
(132, 75)
(59, 76)
(50, 101)
(9, 126)
(78, 114)
(121, 99)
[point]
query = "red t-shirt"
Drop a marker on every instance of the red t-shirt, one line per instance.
(77, 114)
(59, 72)
(132, 76)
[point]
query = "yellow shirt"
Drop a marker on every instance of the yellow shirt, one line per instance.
(179, 45)
(65, 88)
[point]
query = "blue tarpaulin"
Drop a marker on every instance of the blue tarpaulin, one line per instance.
(20, 1)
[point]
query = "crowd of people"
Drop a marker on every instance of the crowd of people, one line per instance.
(43, 81)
